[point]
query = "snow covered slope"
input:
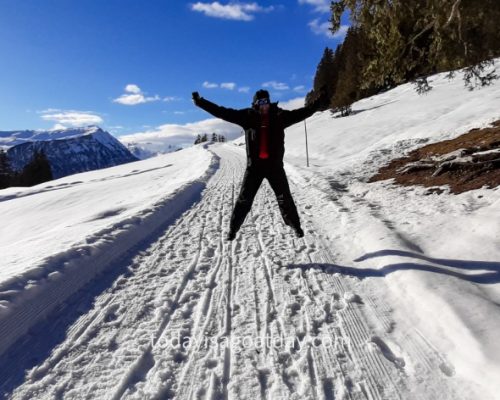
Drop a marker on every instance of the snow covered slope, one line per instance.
(392, 294)
(393, 122)
(69, 150)
(438, 254)
(58, 235)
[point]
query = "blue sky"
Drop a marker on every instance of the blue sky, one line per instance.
(130, 66)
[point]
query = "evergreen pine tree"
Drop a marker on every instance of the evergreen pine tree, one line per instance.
(6, 174)
(37, 171)
(198, 140)
(326, 74)
(214, 137)
(413, 39)
(349, 59)
(204, 138)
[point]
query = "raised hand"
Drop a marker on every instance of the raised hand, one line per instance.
(196, 97)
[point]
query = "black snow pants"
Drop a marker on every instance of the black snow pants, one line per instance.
(254, 175)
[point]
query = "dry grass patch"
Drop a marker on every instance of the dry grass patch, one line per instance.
(467, 162)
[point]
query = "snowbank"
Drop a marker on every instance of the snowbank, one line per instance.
(57, 236)
(439, 255)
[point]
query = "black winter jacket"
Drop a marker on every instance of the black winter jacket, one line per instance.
(250, 120)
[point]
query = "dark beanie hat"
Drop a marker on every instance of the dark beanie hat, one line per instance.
(260, 94)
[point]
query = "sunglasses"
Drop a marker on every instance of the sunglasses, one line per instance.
(261, 102)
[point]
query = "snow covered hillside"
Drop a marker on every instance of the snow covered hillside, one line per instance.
(118, 284)
(69, 151)
(438, 255)
(68, 230)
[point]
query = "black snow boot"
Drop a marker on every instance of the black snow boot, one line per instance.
(299, 232)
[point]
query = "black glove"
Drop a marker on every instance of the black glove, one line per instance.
(196, 97)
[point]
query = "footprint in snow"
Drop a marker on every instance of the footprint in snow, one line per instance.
(209, 252)
(294, 307)
(211, 363)
(350, 297)
(111, 313)
(386, 351)
(447, 369)
(301, 249)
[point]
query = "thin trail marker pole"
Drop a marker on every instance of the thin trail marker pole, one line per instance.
(307, 148)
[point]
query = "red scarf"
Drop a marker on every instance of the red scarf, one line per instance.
(264, 132)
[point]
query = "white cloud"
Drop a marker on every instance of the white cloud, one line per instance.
(228, 85)
(70, 118)
(134, 96)
(159, 138)
(234, 10)
(276, 85)
(131, 88)
(50, 110)
(210, 85)
(225, 85)
(340, 34)
(323, 28)
(134, 99)
(170, 98)
(292, 104)
(300, 88)
(320, 28)
(322, 6)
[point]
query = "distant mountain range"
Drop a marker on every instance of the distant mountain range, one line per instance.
(140, 151)
(69, 151)
(143, 150)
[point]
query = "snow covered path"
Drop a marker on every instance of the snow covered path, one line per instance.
(331, 335)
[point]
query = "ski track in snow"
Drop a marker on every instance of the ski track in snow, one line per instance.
(192, 284)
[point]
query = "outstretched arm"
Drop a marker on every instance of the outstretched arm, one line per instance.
(227, 114)
(300, 114)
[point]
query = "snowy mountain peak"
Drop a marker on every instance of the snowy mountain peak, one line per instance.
(69, 150)
(13, 138)
(105, 138)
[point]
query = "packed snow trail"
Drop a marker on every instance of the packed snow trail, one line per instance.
(221, 300)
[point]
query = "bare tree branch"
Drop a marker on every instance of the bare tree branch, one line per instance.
(455, 12)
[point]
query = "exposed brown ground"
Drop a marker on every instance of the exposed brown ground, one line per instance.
(460, 177)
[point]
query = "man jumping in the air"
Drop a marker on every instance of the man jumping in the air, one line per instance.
(264, 124)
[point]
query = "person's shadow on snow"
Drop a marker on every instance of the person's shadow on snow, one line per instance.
(489, 270)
